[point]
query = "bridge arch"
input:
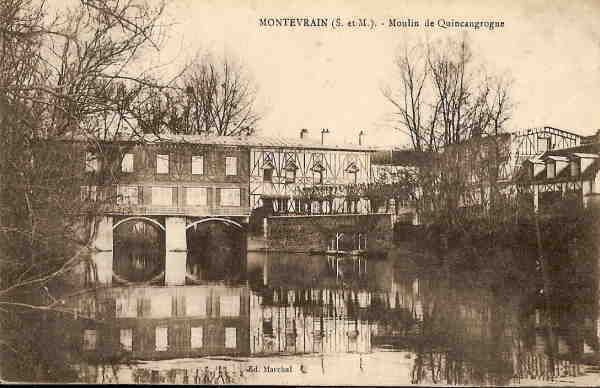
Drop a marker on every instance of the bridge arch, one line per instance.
(216, 250)
(216, 219)
(138, 250)
(147, 219)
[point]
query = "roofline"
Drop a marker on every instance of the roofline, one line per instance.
(213, 140)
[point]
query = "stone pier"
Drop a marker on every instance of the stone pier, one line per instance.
(176, 251)
(102, 255)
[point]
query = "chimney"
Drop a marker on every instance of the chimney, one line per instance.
(303, 133)
(360, 135)
(323, 132)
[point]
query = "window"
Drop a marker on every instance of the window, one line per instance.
(162, 196)
(318, 171)
(144, 307)
(161, 305)
(229, 305)
(126, 307)
(352, 170)
(268, 175)
(88, 193)
(196, 307)
(318, 177)
(127, 163)
(162, 339)
(89, 339)
(127, 195)
(197, 165)
(290, 175)
(178, 306)
(575, 167)
(196, 196)
(544, 144)
(126, 339)
(91, 162)
(230, 197)
(230, 337)
(230, 165)
(196, 337)
(550, 170)
(162, 164)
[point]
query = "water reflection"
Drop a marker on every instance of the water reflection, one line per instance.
(380, 321)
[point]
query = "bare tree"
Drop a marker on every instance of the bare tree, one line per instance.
(445, 99)
(443, 96)
(216, 97)
(69, 83)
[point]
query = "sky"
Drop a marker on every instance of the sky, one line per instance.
(331, 78)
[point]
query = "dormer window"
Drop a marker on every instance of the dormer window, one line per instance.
(555, 166)
(575, 167)
(550, 170)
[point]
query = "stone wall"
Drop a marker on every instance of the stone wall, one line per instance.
(313, 233)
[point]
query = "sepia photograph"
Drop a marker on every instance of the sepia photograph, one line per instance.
(330, 193)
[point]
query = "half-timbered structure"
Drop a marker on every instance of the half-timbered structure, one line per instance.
(528, 143)
(560, 177)
(281, 171)
(178, 208)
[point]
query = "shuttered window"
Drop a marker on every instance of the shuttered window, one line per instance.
(127, 195)
(144, 307)
(126, 307)
(197, 165)
(126, 339)
(230, 337)
(196, 196)
(230, 165)
(162, 339)
(229, 305)
(162, 196)
(162, 164)
(230, 197)
(127, 163)
(89, 339)
(178, 306)
(196, 306)
(90, 193)
(196, 337)
(161, 305)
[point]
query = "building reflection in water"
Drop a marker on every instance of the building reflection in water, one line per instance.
(306, 306)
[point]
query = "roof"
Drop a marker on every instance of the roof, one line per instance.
(588, 148)
(402, 158)
(557, 158)
(545, 130)
(585, 155)
(237, 141)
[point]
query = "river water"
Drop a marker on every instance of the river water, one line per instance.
(314, 319)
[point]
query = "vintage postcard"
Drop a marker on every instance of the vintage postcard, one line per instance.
(262, 192)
